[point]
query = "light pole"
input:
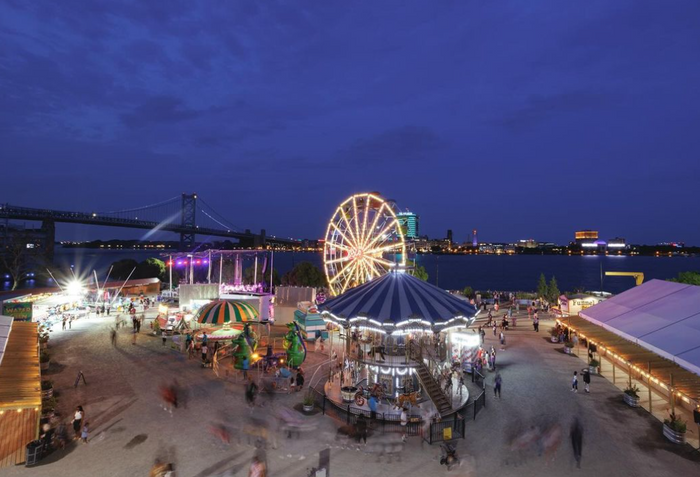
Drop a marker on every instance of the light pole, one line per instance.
(190, 257)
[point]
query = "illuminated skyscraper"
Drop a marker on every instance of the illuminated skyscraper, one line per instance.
(409, 224)
(475, 242)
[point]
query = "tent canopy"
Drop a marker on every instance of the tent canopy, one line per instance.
(396, 299)
(661, 316)
(223, 311)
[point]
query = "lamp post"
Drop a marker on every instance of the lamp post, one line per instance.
(190, 259)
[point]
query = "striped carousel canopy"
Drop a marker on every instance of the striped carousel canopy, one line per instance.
(220, 312)
(399, 301)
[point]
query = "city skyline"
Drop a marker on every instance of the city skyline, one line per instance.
(277, 114)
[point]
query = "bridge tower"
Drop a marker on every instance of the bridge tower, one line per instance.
(189, 209)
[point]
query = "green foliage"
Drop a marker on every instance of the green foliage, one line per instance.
(46, 384)
(468, 292)
(594, 363)
(305, 274)
(689, 278)
(152, 268)
(675, 423)
(632, 390)
(553, 290)
(122, 268)
(44, 357)
(542, 288)
(420, 272)
(49, 404)
(248, 278)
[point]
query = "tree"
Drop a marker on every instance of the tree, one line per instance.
(420, 272)
(689, 278)
(13, 257)
(542, 289)
(553, 292)
(305, 274)
(468, 292)
(122, 268)
(151, 268)
(250, 271)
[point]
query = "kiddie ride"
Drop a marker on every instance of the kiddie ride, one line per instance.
(245, 345)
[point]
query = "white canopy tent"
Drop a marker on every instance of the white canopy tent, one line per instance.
(661, 316)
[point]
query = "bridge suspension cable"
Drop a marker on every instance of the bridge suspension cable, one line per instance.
(138, 209)
(225, 221)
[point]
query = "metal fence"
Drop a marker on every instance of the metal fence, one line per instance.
(451, 427)
(447, 429)
(381, 422)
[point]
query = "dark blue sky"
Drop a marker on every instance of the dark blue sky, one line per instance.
(521, 119)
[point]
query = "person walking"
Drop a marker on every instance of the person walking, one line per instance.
(64, 323)
(257, 468)
(77, 421)
(133, 337)
(70, 323)
(361, 428)
(574, 382)
(503, 340)
(404, 423)
(113, 337)
(300, 380)
(587, 380)
(497, 386)
(164, 336)
(205, 351)
(84, 433)
(577, 440)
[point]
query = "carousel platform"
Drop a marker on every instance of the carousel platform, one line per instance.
(387, 408)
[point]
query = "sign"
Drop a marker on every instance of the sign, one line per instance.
(447, 434)
(21, 311)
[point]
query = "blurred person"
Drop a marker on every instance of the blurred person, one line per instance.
(257, 468)
(574, 382)
(361, 428)
(586, 380)
(497, 386)
(577, 440)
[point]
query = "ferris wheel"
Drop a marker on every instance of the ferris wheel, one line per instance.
(361, 235)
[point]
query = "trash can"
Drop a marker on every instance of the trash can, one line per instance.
(34, 449)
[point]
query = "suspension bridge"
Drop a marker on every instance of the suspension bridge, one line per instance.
(187, 215)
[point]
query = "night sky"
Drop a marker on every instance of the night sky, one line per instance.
(521, 119)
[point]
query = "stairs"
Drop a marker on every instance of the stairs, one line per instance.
(441, 402)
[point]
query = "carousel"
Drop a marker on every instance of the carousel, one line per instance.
(403, 343)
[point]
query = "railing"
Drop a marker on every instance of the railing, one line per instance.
(380, 422)
(451, 428)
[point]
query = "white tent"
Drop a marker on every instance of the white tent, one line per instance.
(661, 316)
(5, 328)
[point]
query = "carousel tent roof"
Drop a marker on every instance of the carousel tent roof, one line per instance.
(224, 311)
(397, 298)
(661, 316)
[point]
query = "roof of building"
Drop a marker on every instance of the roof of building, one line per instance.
(20, 377)
(661, 316)
(397, 298)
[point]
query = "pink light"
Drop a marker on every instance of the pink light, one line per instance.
(199, 262)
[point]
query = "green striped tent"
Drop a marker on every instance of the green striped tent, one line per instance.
(220, 312)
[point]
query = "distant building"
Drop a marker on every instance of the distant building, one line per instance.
(475, 241)
(449, 235)
(588, 236)
(617, 243)
(409, 223)
(529, 243)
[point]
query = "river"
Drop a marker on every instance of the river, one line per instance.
(481, 272)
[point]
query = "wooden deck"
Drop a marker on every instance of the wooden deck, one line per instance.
(20, 393)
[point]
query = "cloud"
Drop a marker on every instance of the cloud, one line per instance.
(162, 109)
(406, 143)
(540, 108)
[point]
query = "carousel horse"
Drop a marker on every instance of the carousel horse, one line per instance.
(403, 399)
